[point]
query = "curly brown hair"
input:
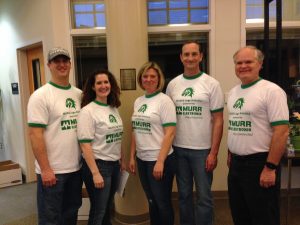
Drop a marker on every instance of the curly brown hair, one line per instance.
(89, 95)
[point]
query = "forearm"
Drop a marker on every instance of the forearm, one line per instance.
(122, 154)
(89, 157)
(217, 132)
(39, 148)
(278, 144)
(132, 147)
(166, 143)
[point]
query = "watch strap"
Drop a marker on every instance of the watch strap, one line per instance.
(271, 166)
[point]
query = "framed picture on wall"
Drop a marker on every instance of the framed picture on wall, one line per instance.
(128, 79)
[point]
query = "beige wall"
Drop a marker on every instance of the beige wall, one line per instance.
(127, 48)
(22, 24)
(25, 22)
(227, 41)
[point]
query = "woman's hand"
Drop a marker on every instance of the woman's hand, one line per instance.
(98, 180)
(158, 170)
(123, 164)
(132, 165)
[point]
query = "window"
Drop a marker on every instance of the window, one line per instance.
(164, 12)
(255, 10)
(87, 14)
(90, 54)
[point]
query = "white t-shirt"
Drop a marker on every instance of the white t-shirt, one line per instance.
(195, 98)
(253, 110)
(151, 114)
(101, 125)
(56, 108)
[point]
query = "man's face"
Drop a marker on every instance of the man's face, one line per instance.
(191, 56)
(60, 67)
(247, 66)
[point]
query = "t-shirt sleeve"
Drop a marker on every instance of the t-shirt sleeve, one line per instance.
(278, 112)
(216, 99)
(85, 127)
(37, 111)
(170, 88)
(168, 112)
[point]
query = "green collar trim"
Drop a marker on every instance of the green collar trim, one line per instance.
(100, 103)
(152, 95)
(60, 87)
(193, 77)
(251, 84)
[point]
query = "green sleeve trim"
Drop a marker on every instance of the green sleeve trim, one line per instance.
(37, 125)
(169, 124)
(217, 110)
(281, 122)
(85, 141)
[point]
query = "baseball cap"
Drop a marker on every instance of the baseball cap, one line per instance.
(57, 51)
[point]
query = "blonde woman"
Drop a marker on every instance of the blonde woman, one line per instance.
(153, 123)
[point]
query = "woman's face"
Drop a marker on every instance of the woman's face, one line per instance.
(102, 87)
(150, 81)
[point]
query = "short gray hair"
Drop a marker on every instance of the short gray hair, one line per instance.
(258, 53)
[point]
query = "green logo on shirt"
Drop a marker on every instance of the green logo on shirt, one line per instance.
(68, 124)
(239, 103)
(188, 92)
(115, 137)
(70, 103)
(112, 119)
(143, 108)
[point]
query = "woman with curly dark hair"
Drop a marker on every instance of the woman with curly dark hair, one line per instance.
(89, 93)
(99, 131)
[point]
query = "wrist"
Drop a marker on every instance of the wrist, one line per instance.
(94, 173)
(213, 152)
(271, 166)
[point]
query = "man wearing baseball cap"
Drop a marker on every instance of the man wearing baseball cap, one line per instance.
(52, 121)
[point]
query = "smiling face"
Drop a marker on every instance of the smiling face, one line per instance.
(247, 66)
(191, 58)
(150, 81)
(102, 87)
(60, 68)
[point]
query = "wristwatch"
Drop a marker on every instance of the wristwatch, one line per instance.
(271, 166)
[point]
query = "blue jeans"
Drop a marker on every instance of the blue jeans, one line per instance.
(158, 192)
(101, 199)
(190, 169)
(250, 203)
(59, 204)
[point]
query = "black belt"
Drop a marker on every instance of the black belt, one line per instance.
(256, 156)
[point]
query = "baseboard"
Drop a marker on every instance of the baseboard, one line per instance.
(224, 194)
(126, 219)
(283, 193)
(293, 192)
(216, 195)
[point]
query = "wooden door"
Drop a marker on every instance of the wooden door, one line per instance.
(36, 78)
(36, 71)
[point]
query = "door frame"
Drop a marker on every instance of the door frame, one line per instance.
(30, 175)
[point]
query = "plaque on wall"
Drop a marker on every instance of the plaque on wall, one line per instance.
(128, 79)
